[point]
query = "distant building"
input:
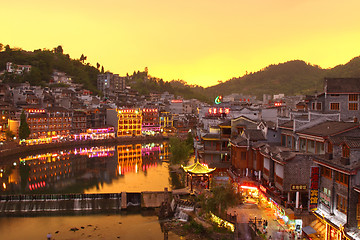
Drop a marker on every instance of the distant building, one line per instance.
(17, 69)
(341, 95)
(111, 84)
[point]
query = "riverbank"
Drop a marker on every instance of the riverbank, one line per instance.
(13, 149)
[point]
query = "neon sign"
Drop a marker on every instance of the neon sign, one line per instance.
(218, 99)
(214, 111)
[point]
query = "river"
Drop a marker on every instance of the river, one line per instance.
(91, 169)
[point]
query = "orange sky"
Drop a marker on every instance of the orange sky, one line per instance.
(199, 41)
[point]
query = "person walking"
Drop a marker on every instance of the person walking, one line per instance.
(48, 236)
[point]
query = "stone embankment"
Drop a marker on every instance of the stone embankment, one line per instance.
(11, 149)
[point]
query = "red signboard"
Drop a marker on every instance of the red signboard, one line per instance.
(314, 187)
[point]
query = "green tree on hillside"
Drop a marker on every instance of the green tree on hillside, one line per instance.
(24, 130)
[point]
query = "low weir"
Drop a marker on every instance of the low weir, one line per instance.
(13, 205)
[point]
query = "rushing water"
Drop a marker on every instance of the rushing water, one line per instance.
(91, 169)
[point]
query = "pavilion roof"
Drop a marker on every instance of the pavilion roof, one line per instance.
(198, 168)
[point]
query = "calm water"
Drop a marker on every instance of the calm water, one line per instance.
(100, 169)
(124, 227)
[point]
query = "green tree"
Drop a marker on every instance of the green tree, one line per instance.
(220, 200)
(83, 58)
(59, 49)
(24, 130)
(9, 135)
(180, 151)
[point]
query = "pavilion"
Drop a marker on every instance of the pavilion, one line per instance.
(198, 170)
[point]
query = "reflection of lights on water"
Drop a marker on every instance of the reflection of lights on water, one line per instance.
(4, 185)
(119, 170)
(136, 168)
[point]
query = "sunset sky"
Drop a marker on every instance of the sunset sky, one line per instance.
(199, 41)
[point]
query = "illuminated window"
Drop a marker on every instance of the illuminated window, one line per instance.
(334, 106)
(353, 106)
(341, 204)
(353, 97)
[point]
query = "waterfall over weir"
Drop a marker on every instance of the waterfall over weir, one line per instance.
(58, 203)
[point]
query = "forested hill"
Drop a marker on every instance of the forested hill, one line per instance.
(44, 61)
(291, 78)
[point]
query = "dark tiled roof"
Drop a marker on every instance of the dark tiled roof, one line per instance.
(352, 142)
(342, 85)
(329, 128)
(239, 141)
(225, 124)
(270, 124)
(211, 135)
(289, 124)
(254, 134)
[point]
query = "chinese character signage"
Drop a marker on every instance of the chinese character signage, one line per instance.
(314, 187)
(298, 187)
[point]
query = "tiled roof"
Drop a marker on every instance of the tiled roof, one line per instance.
(239, 141)
(329, 128)
(350, 141)
(225, 123)
(255, 134)
(342, 85)
(289, 124)
(211, 135)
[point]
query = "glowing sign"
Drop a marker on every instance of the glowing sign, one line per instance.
(218, 99)
(215, 111)
(277, 104)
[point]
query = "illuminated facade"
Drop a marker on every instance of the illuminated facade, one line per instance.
(150, 121)
(49, 122)
(129, 122)
(166, 122)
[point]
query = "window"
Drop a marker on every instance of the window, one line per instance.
(316, 105)
(326, 172)
(353, 97)
(341, 204)
(319, 148)
(334, 106)
(353, 106)
(345, 151)
(243, 155)
(302, 144)
(341, 178)
(279, 180)
(283, 140)
(311, 146)
(330, 147)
